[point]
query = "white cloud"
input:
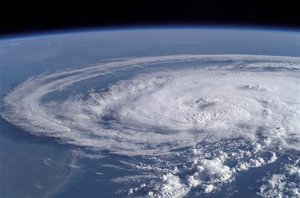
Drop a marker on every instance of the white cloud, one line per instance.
(255, 98)
(186, 106)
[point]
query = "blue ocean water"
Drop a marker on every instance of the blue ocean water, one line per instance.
(33, 166)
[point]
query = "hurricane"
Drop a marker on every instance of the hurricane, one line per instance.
(198, 121)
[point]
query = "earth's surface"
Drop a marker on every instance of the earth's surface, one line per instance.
(168, 112)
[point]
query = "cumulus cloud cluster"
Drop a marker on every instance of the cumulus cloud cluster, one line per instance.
(219, 97)
(283, 184)
(203, 169)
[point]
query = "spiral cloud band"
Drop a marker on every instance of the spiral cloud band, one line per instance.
(199, 119)
(220, 96)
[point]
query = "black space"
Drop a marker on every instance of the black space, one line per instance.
(37, 16)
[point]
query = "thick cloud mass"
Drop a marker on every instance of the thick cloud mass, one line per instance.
(253, 97)
(198, 125)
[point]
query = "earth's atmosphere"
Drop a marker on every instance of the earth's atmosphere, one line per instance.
(165, 112)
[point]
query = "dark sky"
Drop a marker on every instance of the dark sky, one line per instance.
(36, 16)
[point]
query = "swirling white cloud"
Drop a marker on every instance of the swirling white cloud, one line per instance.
(214, 109)
(249, 96)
